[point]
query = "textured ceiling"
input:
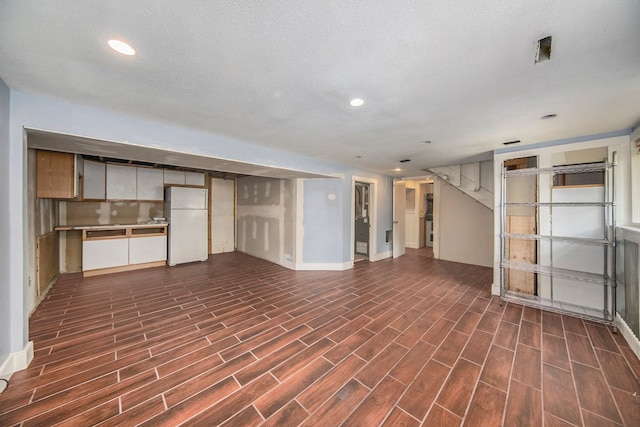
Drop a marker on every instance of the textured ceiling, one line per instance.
(281, 73)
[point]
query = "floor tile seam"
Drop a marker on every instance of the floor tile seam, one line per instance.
(437, 395)
(66, 365)
(617, 354)
(29, 402)
(435, 403)
(186, 355)
(510, 377)
(563, 420)
(399, 409)
(603, 417)
(611, 388)
(78, 356)
(628, 362)
(56, 394)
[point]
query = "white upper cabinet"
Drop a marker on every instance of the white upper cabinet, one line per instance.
(94, 181)
(150, 184)
(194, 178)
(121, 182)
(174, 177)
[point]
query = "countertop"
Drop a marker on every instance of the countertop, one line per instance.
(111, 226)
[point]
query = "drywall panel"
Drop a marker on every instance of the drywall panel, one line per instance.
(465, 228)
(223, 215)
(261, 218)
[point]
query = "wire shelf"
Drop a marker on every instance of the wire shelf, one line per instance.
(589, 167)
(589, 313)
(599, 279)
(578, 240)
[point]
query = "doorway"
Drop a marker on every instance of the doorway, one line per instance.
(362, 222)
(521, 219)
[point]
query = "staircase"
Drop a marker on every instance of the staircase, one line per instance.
(473, 179)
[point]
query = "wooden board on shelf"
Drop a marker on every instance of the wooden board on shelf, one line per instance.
(522, 251)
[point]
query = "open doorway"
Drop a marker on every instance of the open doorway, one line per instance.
(521, 220)
(362, 221)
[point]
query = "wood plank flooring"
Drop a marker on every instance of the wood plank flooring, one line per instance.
(237, 341)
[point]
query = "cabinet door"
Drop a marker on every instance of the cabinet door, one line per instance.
(56, 175)
(94, 180)
(104, 253)
(194, 178)
(147, 249)
(150, 184)
(174, 177)
(121, 182)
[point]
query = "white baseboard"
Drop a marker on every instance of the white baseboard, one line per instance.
(628, 335)
(325, 266)
(17, 361)
(379, 256)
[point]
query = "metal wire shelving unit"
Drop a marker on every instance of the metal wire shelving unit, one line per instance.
(604, 280)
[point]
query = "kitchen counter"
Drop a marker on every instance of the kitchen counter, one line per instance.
(112, 248)
(111, 226)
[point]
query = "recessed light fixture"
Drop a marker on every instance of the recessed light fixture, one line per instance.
(405, 160)
(121, 47)
(425, 142)
(356, 102)
(357, 157)
(397, 170)
(511, 142)
(549, 116)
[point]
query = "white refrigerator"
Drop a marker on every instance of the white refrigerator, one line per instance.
(186, 211)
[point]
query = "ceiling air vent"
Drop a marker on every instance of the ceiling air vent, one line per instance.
(543, 51)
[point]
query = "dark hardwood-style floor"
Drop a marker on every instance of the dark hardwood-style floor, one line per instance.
(238, 341)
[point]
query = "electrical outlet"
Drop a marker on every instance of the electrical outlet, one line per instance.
(29, 281)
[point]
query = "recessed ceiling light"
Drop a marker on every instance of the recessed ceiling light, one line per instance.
(397, 170)
(357, 157)
(356, 102)
(517, 141)
(121, 47)
(425, 142)
(548, 116)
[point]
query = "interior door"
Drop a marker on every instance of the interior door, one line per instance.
(399, 207)
(362, 225)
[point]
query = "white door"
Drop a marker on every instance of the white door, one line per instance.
(399, 205)
(222, 215)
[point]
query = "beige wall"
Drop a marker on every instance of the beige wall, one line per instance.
(465, 227)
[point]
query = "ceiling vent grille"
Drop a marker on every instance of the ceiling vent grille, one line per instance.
(543, 51)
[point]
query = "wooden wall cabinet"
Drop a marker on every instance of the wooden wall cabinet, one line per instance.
(56, 175)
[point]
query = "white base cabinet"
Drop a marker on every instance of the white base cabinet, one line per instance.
(111, 249)
(98, 254)
(147, 249)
